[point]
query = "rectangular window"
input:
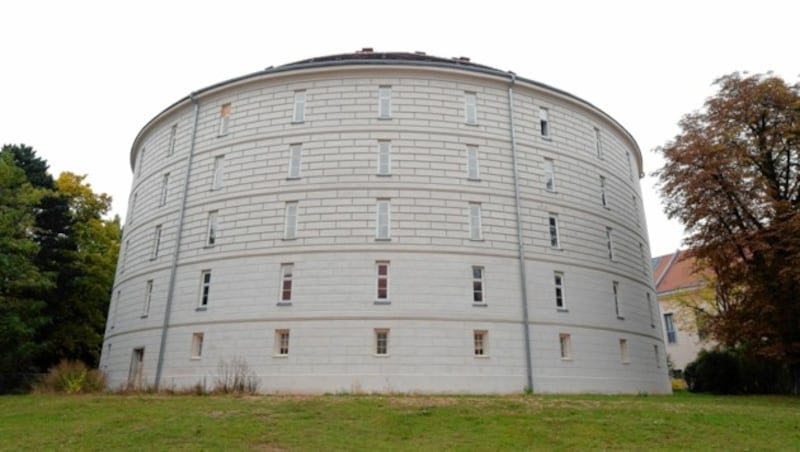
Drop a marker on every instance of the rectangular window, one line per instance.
(598, 144)
(652, 311)
(197, 345)
(299, 114)
(544, 122)
(475, 232)
(477, 285)
(132, 209)
(383, 220)
(630, 167)
(164, 186)
(384, 158)
(384, 102)
(617, 310)
(381, 342)
(473, 170)
(211, 232)
(173, 133)
(479, 339)
(603, 199)
(623, 351)
(148, 297)
(555, 241)
(610, 243)
(382, 268)
(669, 327)
(125, 255)
(549, 175)
(224, 119)
(290, 226)
(295, 156)
(141, 162)
(558, 281)
(218, 173)
(470, 108)
(282, 342)
(635, 210)
(156, 242)
(286, 282)
(565, 345)
(645, 260)
(116, 308)
(657, 355)
(205, 287)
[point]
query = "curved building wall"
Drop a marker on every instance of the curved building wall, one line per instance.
(451, 316)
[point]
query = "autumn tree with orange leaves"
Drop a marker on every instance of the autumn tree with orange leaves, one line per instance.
(732, 177)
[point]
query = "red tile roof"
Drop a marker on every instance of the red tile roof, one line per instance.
(675, 272)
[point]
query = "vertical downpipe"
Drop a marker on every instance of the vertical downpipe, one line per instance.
(521, 244)
(179, 234)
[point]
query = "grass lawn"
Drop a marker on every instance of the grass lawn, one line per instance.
(375, 422)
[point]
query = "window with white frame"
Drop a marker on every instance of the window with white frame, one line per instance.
(282, 342)
(669, 328)
(480, 342)
(623, 351)
(565, 344)
(470, 108)
(473, 169)
(299, 113)
(162, 199)
(652, 311)
(475, 232)
(218, 173)
(657, 355)
(156, 242)
(555, 239)
(610, 243)
(549, 175)
(558, 283)
(544, 122)
(205, 287)
(384, 157)
(603, 199)
(381, 341)
(173, 133)
(286, 282)
(598, 143)
(382, 280)
(141, 162)
(290, 225)
(384, 101)
(478, 294)
(383, 229)
(295, 156)
(615, 289)
(635, 210)
(148, 297)
(197, 345)
(224, 119)
(212, 229)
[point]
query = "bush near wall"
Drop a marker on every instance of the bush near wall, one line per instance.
(733, 372)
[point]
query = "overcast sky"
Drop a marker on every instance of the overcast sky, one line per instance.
(80, 78)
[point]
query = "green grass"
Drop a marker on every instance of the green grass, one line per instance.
(374, 422)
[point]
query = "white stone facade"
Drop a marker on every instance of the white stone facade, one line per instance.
(450, 228)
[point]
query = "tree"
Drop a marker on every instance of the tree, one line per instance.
(732, 177)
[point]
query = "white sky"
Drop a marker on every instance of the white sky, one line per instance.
(80, 78)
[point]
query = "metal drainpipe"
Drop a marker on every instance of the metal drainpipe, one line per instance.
(174, 267)
(521, 246)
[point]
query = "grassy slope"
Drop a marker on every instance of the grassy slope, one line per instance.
(400, 422)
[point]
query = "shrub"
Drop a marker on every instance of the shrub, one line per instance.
(72, 377)
(718, 372)
(235, 376)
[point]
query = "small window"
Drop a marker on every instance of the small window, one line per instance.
(383, 229)
(645, 261)
(132, 209)
(282, 342)
(477, 285)
(657, 355)
(385, 102)
(475, 232)
(544, 122)
(286, 282)
(615, 289)
(558, 281)
(610, 243)
(623, 351)
(382, 268)
(218, 173)
(635, 210)
(164, 187)
(479, 339)
(116, 308)
(384, 158)
(141, 162)
(224, 119)
(473, 170)
(205, 287)
(173, 133)
(156, 242)
(211, 232)
(125, 255)
(549, 175)
(652, 311)
(381, 342)
(603, 199)
(197, 345)
(565, 345)
(290, 226)
(295, 156)
(148, 297)
(630, 167)
(555, 241)
(598, 143)
(299, 114)
(470, 108)
(669, 328)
